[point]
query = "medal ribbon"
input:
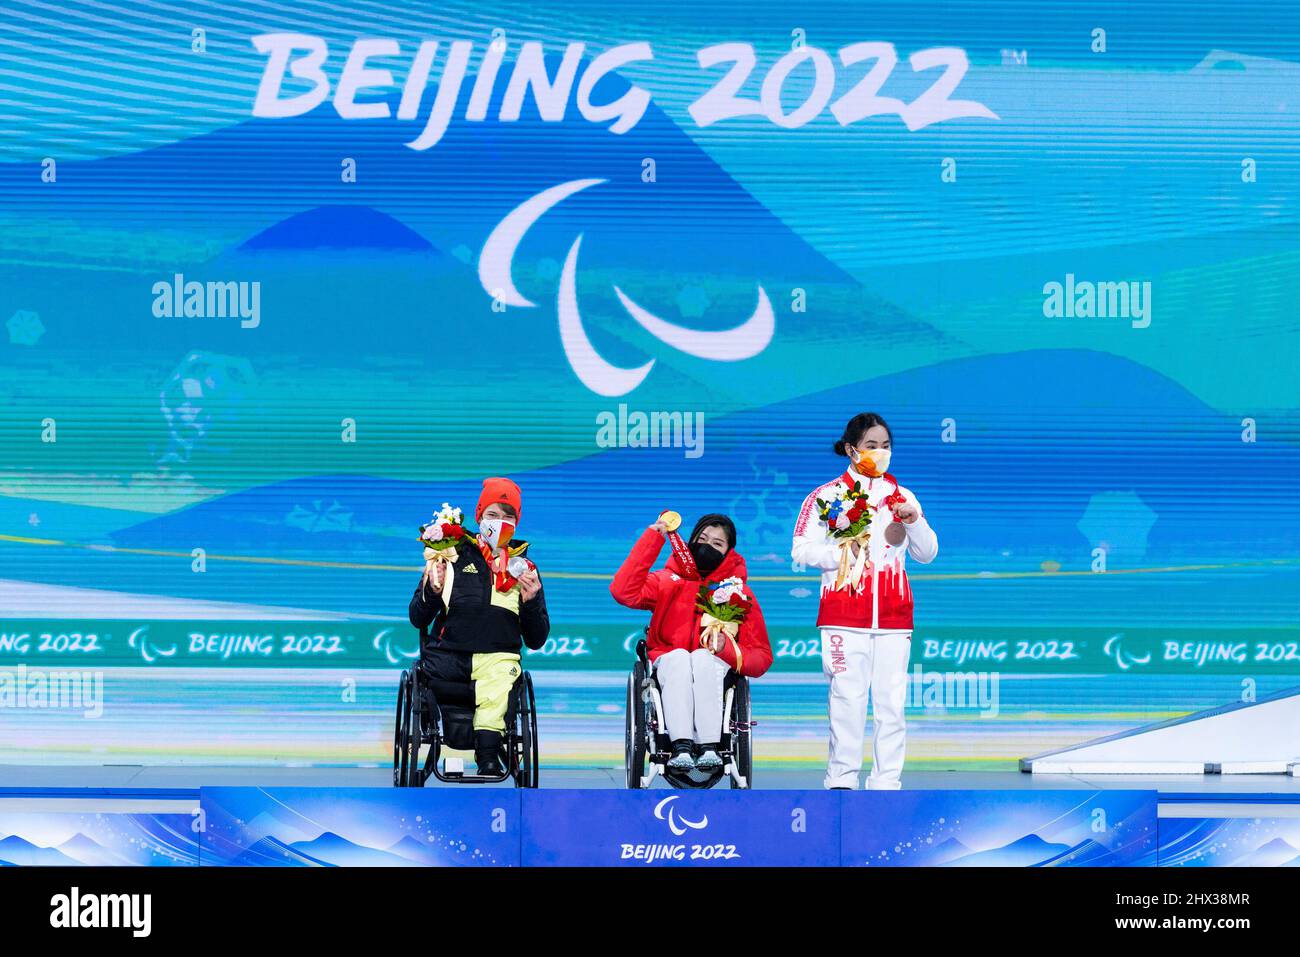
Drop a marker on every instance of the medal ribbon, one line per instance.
(683, 554)
(499, 563)
(890, 501)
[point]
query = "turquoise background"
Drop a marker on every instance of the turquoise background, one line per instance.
(1034, 444)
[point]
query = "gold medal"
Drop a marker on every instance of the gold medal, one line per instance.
(672, 521)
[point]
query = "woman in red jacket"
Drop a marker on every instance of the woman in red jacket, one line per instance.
(691, 662)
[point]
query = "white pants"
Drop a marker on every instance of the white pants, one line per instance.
(859, 662)
(690, 683)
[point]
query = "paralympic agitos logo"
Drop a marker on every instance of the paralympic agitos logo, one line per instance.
(664, 811)
(600, 376)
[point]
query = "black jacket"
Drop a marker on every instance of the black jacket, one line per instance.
(481, 618)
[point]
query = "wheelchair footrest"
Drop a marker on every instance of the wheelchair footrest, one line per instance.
(452, 771)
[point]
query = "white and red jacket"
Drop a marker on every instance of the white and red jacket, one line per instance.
(884, 600)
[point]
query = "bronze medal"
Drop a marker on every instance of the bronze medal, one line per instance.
(895, 533)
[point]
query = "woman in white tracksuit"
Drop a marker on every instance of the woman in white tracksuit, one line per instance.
(866, 626)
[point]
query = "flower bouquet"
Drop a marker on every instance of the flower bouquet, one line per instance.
(722, 606)
(440, 538)
(848, 520)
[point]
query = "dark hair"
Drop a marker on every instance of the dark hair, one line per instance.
(505, 506)
(857, 427)
(727, 525)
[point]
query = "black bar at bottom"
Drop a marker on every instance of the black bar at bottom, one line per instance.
(603, 907)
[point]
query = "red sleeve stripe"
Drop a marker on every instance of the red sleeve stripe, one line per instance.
(806, 511)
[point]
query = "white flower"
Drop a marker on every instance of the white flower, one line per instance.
(449, 516)
(433, 533)
(842, 521)
(735, 585)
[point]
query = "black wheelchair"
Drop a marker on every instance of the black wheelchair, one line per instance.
(646, 745)
(440, 714)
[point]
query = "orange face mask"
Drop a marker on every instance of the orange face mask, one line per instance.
(872, 463)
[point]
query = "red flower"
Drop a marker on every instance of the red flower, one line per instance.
(452, 531)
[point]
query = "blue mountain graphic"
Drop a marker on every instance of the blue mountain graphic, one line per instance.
(339, 227)
(270, 852)
(19, 852)
(945, 851)
(415, 850)
(326, 850)
(1275, 853)
(86, 850)
(338, 851)
(1025, 852)
(1086, 853)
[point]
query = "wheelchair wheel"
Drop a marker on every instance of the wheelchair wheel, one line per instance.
(529, 774)
(401, 727)
(741, 745)
(634, 729)
(414, 732)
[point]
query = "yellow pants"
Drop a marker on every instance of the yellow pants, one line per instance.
(494, 674)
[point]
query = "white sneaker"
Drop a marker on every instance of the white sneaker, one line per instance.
(683, 761)
(708, 761)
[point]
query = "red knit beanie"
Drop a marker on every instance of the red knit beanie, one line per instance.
(499, 490)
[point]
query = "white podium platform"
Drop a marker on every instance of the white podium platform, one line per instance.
(1256, 737)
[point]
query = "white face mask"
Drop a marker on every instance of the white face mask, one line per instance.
(496, 532)
(872, 463)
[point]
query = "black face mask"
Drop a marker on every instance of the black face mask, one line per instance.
(707, 558)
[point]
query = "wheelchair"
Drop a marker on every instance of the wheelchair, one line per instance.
(440, 714)
(647, 748)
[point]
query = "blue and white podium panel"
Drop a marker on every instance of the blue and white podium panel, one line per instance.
(1248, 841)
(93, 838)
(999, 829)
(359, 827)
(456, 827)
(681, 828)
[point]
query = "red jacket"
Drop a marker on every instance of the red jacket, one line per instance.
(670, 594)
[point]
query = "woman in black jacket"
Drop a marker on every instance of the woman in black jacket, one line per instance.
(495, 603)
